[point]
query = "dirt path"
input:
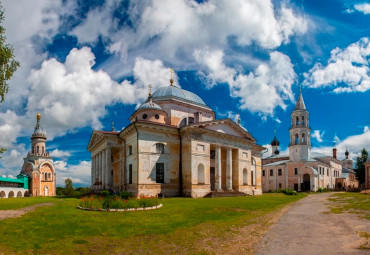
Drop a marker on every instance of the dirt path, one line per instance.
(306, 229)
(6, 214)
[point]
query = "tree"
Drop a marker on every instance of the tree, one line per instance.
(360, 167)
(8, 64)
(69, 191)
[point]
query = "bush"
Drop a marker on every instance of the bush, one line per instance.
(126, 195)
(148, 202)
(289, 192)
(91, 202)
(104, 193)
(115, 202)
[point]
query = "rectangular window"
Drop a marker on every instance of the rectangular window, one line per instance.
(159, 174)
(263, 172)
(245, 155)
(129, 150)
(279, 185)
(327, 171)
(271, 172)
(130, 174)
(295, 170)
(279, 171)
(159, 148)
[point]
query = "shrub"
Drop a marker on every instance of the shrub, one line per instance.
(104, 193)
(126, 195)
(148, 202)
(115, 202)
(290, 192)
(91, 202)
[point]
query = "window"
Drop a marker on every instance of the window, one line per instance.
(156, 116)
(245, 176)
(303, 138)
(201, 178)
(145, 116)
(130, 174)
(320, 169)
(191, 120)
(327, 171)
(271, 172)
(302, 120)
(279, 185)
(279, 171)
(252, 177)
(296, 139)
(295, 170)
(38, 149)
(245, 155)
(213, 154)
(263, 173)
(159, 173)
(183, 123)
(46, 176)
(129, 150)
(159, 148)
(297, 121)
(43, 149)
(49, 176)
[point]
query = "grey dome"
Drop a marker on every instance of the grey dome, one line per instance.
(149, 106)
(176, 92)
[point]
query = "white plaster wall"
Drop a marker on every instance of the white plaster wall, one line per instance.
(14, 189)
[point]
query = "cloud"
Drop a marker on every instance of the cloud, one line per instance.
(80, 173)
(364, 8)
(354, 143)
(60, 154)
(272, 79)
(318, 135)
(347, 69)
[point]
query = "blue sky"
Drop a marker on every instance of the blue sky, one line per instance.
(86, 64)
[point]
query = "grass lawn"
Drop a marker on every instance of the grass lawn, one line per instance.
(181, 226)
(352, 202)
(16, 203)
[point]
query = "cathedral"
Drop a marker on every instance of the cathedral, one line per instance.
(38, 165)
(302, 170)
(174, 146)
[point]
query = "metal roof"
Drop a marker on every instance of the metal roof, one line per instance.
(173, 91)
(149, 105)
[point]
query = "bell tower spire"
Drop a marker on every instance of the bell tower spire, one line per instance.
(300, 133)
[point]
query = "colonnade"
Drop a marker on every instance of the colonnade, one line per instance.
(101, 175)
(229, 169)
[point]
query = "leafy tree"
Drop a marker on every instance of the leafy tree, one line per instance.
(69, 190)
(360, 167)
(8, 64)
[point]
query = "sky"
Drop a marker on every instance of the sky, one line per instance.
(86, 64)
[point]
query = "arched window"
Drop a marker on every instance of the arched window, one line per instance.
(129, 150)
(201, 177)
(253, 172)
(252, 178)
(297, 121)
(43, 149)
(159, 148)
(302, 120)
(37, 150)
(191, 120)
(296, 139)
(245, 176)
(303, 138)
(46, 176)
(49, 175)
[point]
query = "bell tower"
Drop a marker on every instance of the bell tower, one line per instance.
(300, 143)
(38, 139)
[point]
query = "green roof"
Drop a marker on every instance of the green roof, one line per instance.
(2, 179)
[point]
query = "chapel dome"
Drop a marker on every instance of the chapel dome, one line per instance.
(39, 131)
(149, 106)
(275, 142)
(179, 93)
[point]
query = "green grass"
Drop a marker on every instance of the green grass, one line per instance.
(352, 202)
(177, 227)
(16, 203)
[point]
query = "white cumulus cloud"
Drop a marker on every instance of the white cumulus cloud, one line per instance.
(318, 135)
(364, 8)
(347, 70)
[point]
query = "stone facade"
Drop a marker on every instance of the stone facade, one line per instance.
(38, 165)
(367, 174)
(303, 170)
(174, 146)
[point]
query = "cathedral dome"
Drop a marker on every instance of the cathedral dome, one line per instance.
(39, 131)
(275, 142)
(176, 92)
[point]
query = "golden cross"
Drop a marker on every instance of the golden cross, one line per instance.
(150, 89)
(171, 73)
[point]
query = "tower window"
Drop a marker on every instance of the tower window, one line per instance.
(156, 116)
(303, 138)
(263, 173)
(295, 170)
(37, 149)
(145, 116)
(297, 121)
(159, 147)
(302, 120)
(296, 139)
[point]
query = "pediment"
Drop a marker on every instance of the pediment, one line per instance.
(95, 137)
(226, 126)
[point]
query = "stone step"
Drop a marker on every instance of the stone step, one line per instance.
(225, 194)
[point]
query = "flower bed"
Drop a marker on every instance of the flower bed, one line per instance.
(116, 203)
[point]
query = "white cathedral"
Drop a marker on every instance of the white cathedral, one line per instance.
(174, 146)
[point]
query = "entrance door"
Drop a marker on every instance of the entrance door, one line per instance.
(212, 177)
(46, 191)
(296, 187)
(306, 182)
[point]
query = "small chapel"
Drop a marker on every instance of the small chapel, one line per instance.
(302, 170)
(38, 165)
(174, 146)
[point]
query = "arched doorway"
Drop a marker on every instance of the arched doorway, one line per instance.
(19, 194)
(2, 194)
(26, 193)
(306, 185)
(46, 191)
(11, 194)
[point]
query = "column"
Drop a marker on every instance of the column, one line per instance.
(100, 170)
(119, 173)
(108, 171)
(92, 171)
(218, 169)
(104, 168)
(229, 170)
